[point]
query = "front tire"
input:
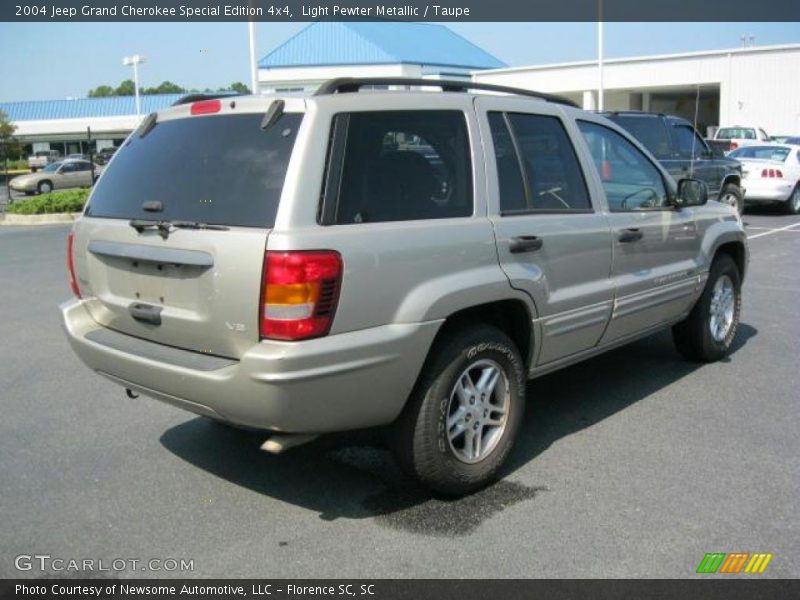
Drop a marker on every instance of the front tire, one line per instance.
(708, 332)
(461, 420)
(44, 187)
(732, 195)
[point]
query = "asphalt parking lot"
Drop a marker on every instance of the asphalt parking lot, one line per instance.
(633, 464)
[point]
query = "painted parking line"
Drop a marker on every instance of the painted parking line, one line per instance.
(771, 231)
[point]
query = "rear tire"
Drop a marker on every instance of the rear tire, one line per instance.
(793, 203)
(708, 332)
(461, 420)
(732, 195)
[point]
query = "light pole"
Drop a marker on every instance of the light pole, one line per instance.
(251, 34)
(600, 84)
(135, 61)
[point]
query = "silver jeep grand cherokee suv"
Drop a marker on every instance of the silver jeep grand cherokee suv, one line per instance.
(365, 257)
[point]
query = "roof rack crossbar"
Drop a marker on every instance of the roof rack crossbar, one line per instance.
(344, 85)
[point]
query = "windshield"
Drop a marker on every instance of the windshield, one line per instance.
(221, 169)
(738, 133)
(761, 152)
(52, 167)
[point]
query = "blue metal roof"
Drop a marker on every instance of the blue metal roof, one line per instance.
(111, 106)
(359, 43)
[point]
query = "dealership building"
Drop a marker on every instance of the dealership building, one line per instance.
(741, 86)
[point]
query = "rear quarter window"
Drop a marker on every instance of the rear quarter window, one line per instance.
(403, 166)
(220, 169)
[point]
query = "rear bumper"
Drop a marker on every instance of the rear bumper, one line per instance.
(346, 381)
(775, 191)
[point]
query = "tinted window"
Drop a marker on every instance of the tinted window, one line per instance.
(650, 131)
(687, 142)
(630, 180)
(213, 169)
(761, 152)
(405, 165)
(552, 176)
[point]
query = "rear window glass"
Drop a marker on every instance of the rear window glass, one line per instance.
(649, 131)
(736, 133)
(221, 169)
(761, 152)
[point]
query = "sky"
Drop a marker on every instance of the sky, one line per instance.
(45, 61)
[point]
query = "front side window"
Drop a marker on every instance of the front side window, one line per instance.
(537, 167)
(404, 166)
(631, 182)
(687, 142)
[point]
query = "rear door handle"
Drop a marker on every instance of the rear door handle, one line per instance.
(524, 243)
(631, 234)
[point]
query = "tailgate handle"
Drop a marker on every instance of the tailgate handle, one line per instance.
(174, 256)
(145, 313)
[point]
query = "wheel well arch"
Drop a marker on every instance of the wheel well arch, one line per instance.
(737, 252)
(731, 178)
(512, 317)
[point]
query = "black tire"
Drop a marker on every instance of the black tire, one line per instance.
(42, 185)
(793, 203)
(693, 337)
(732, 190)
(420, 435)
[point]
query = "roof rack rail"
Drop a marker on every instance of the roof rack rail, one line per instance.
(189, 98)
(344, 85)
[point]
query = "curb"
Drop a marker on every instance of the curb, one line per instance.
(12, 220)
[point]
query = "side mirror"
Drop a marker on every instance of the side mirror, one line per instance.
(692, 192)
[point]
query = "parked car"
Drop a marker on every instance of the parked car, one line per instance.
(55, 176)
(104, 155)
(42, 158)
(347, 283)
(731, 138)
(771, 174)
(683, 153)
(77, 156)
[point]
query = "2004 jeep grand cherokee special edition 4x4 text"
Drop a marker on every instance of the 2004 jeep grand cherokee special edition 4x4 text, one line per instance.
(366, 257)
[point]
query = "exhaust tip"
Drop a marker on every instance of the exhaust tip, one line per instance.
(279, 443)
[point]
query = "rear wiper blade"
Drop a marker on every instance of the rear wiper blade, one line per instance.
(198, 225)
(141, 224)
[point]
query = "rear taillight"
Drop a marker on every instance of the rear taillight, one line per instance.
(299, 293)
(73, 280)
(772, 173)
(733, 146)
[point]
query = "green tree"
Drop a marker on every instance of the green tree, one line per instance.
(9, 145)
(126, 88)
(239, 88)
(101, 91)
(166, 87)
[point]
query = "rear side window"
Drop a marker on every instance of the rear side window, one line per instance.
(400, 166)
(221, 169)
(536, 165)
(651, 132)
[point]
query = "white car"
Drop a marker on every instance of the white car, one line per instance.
(771, 174)
(737, 136)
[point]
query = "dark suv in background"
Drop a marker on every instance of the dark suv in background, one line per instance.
(684, 153)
